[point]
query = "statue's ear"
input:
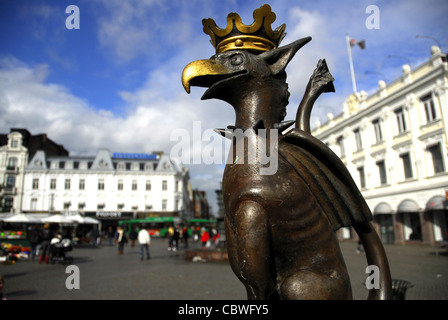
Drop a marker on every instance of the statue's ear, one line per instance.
(279, 58)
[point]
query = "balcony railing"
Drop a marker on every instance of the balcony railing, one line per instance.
(12, 169)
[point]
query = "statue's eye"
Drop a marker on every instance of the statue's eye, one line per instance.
(236, 60)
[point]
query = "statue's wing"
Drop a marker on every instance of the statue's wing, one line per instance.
(327, 178)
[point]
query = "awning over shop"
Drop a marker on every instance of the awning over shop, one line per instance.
(21, 218)
(408, 206)
(383, 208)
(57, 218)
(436, 203)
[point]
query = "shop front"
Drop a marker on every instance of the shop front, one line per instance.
(437, 212)
(110, 218)
(384, 219)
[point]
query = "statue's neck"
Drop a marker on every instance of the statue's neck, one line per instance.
(258, 109)
(263, 104)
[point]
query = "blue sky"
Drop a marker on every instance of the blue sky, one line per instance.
(115, 82)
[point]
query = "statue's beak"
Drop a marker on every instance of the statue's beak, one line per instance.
(204, 73)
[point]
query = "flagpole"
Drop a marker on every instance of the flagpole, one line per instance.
(352, 70)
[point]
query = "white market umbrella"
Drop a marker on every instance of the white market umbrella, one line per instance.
(20, 218)
(75, 218)
(91, 220)
(57, 218)
(82, 220)
(3, 216)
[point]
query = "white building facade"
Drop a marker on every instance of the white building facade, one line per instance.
(394, 143)
(13, 160)
(16, 148)
(107, 186)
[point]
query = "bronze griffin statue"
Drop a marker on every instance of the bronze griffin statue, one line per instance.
(280, 225)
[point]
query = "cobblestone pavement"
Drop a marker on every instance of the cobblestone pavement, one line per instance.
(105, 275)
(425, 267)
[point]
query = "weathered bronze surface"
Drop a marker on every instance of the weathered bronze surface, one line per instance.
(280, 226)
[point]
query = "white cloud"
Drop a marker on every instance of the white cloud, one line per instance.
(300, 23)
(149, 28)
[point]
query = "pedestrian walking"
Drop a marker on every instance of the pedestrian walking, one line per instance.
(215, 238)
(176, 236)
(205, 237)
(185, 236)
(170, 238)
(34, 239)
(145, 241)
(359, 247)
(133, 236)
(95, 236)
(121, 239)
(46, 236)
(110, 235)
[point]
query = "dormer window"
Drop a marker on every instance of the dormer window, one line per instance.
(135, 166)
(83, 165)
(38, 163)
(102, 164)
(14, 140)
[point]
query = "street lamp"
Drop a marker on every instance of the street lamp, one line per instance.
(427, 37)
(400, 57)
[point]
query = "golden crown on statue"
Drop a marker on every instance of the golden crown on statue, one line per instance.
(259, 36)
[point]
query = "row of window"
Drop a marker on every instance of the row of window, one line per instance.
(406, 164)
(122, 166)
(401, 123)
(102, 206)
(101, 185)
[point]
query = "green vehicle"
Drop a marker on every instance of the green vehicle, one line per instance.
(156, 226)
